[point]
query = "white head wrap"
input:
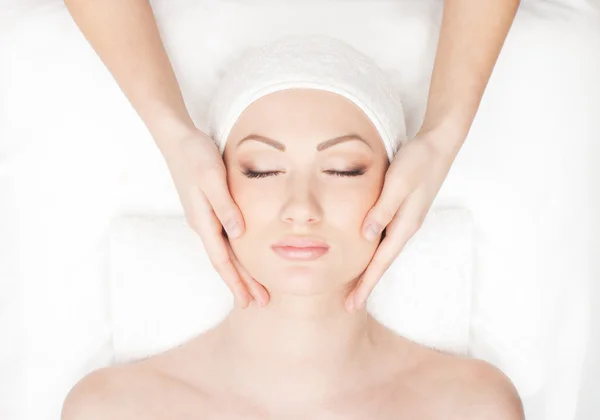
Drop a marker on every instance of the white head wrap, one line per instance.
(310, 62)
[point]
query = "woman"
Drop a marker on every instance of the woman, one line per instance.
(308, 127)
(125, 36)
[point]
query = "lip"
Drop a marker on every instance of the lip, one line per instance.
(300, 248)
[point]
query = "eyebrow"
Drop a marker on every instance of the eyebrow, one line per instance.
(321, 146)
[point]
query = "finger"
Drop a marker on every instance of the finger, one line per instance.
(209, 228)
(243, 275)
(402, 230)
(349, 304)
(381, 214)
(214, 186)
(227, 269)
(257, 290)
(379, 264)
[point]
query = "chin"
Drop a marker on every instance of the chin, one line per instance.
(302, 279)
(327, 274)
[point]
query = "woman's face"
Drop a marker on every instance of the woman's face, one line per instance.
(304, 166)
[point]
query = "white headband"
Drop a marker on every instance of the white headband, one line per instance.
(311, 62)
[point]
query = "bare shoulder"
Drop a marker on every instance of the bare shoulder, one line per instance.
(97, 393)
(441, 385)
(123, 393)
(479, 390)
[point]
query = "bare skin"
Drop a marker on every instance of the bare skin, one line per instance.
(399, 380)
(125, 36)
(303, 356)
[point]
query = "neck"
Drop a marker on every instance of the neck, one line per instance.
(309, 338)
(296, 329)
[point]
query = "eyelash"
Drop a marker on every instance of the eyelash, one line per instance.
(252, 174)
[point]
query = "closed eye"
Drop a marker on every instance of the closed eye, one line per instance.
(354, 172)
(252, 174)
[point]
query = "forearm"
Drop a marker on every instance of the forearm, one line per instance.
(125, 36)
(471, 37)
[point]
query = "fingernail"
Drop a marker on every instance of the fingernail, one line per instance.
(373, 231)
(233, 230)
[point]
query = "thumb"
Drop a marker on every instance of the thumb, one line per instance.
(217, 193)
(381, 214)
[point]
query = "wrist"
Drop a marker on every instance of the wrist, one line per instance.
(166, 130)
(448, 134)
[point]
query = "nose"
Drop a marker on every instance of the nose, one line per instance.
(301, 206)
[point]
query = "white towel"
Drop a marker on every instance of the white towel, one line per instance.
(310, 62)
(163, 289)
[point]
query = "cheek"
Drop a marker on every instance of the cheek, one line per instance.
(257, 199)
(348, 206)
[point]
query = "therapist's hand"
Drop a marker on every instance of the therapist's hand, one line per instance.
(411, 184)
(199, 174)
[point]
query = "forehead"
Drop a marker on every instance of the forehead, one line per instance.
(304, 113)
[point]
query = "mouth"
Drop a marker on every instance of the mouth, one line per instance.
(296, 248)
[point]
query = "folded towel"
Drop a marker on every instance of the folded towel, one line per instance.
(310, 62)
(163, 289)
